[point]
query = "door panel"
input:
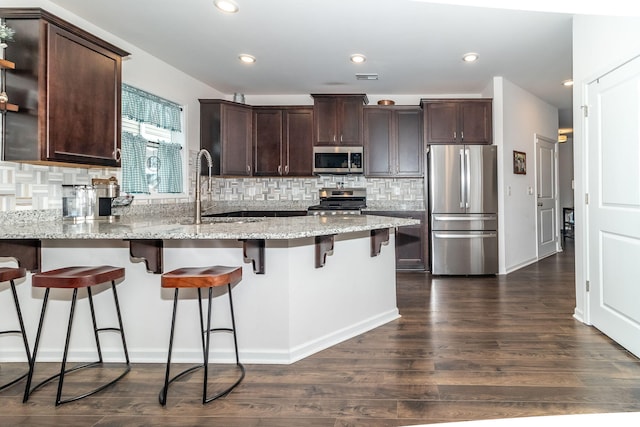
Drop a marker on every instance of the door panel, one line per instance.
(482, 181)
(547, 199)
(298, 157)
(476, 122)
(442, 123)
(409, 143)
(464, 252)
(613, 212)
(377, 142)
(267, 125)
(446, 166)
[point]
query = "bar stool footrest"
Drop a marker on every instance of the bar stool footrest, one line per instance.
(75, 369)
(14, 381)
(205, 399)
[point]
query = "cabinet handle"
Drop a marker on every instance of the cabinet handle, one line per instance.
(286, 169)
(340, 138)
(461, 135)
(248, 168)
(279, 169)
(454, 134)
(334, 138)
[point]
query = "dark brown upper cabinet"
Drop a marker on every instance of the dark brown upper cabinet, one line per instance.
(225, 131)
(338, 119)
(393, 141)
(457, 121)
(283, 141)
(67, 84)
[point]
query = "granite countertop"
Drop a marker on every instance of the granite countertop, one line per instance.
(176, 226)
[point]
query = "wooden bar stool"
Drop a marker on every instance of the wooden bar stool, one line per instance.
(8, 274)
(202, 277)
(75, 278)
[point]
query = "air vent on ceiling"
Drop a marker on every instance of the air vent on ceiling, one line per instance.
(371, 76)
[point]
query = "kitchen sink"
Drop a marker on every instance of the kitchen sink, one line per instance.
(255, 214)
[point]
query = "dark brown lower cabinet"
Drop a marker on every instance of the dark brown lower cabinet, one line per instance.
(411, 241)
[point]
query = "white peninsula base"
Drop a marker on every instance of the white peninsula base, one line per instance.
(284, 315)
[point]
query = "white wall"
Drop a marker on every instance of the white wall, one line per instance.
(599, 45)
(518, 117)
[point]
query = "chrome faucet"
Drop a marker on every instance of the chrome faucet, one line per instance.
(198, 207)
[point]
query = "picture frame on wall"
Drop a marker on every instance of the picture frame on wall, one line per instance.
(519, 163)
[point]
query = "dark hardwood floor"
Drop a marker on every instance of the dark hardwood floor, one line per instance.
(464, 349)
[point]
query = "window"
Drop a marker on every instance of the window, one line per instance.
(152, 141)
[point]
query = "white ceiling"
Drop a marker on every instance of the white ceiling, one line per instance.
(303, 46)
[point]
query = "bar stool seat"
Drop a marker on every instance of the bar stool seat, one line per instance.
(8, 274)
(76, 278)
(198, 278)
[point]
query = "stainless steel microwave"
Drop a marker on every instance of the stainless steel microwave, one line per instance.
(338, 159)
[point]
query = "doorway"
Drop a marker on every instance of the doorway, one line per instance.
(547, 196)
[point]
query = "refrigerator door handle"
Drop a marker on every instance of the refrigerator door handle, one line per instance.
(465, 218)
(468, 178)
(462, 180)
(464, 236)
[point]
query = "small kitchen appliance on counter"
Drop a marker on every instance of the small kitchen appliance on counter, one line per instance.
(340, 201)
(89, 202)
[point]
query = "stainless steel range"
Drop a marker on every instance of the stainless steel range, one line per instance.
(340, 201)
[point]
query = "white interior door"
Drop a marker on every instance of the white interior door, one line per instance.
(546, 188)
(613, 210)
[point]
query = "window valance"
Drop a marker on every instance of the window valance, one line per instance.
(143, 106)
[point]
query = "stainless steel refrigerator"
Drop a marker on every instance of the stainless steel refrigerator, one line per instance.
(463, 187)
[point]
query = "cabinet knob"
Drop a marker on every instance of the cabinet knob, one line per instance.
(454, 134)
(117, 154)
(248, 168)
(461, 135)
(286, 169)
(280, 169)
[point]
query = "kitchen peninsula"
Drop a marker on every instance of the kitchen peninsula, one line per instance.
(309, 282)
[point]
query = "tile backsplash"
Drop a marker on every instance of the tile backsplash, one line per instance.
(31, 187)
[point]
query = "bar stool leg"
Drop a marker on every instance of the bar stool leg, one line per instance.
(22, 332)
(120, 324)
(233, 325)
(206, 347)
(63, 365)
(27, 390)
(96, 336)
(165, 389)
(202, 325)
(235, 342)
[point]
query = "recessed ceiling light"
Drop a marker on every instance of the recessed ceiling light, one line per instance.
(567, 83)
(247, 59)
(470, 57)
(357, 58)
(226, 6)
